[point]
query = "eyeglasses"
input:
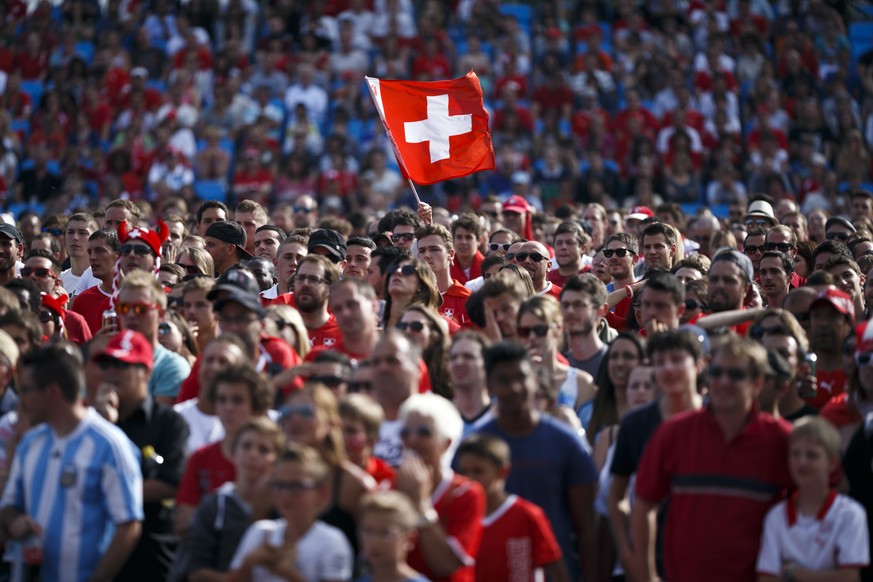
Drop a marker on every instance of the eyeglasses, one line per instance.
(304, 209)
(329, 381)
(53, 231)
(360, 387)
(138, 250)
(136, 309)
(405, 270)
(423, 432)
(164, 329)
(753, 250)
(309, 279)
(45, 316)
(864, 359)
(758, 222)
(413, 326)
(535, 257)
(781, 247)
(293, 486)
(734, 374)
(404, 236)
(499, 246)
(841, 236)
(538, 330)
(492, 213)
(693, 304)
(190, 269)
(40, 272)
(620, 253)
(304, 411)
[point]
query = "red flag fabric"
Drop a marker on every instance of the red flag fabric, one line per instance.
(439, 129)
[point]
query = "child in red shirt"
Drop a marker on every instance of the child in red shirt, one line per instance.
(517, 540)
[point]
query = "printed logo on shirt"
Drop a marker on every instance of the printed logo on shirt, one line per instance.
(449, 313)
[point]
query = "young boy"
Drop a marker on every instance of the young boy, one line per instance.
(387, 528)
(517, 539)
(816, 534)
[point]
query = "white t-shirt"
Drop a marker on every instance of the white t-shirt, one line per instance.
(835, 538)
(205, 429)
(86, 281)
(323, 553)
(389, 445)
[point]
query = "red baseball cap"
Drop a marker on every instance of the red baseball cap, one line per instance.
(640, 213)
(516, 204)
(130, 347)
(837, 299)
(864, 337)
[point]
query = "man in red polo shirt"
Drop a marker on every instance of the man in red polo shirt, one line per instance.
(435, 247)
(315, 275)
(467, 234)
(722, 467)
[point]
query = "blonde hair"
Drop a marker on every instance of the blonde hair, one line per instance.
(332, 449)
(363, 409)
(143, 280)
(294, 320)
(393, 504)
(820, 432)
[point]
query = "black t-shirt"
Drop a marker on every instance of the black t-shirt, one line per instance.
(806, 410)
(634, 433)
(858, 466)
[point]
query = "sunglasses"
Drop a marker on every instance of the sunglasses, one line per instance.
(781, 247)
(53, 231)
(535, 257)
(864, 359)
(405, 236)
(538, 330)
(40, 272)
(405, 270)
(693, 304)
(329, 381)
(304, 210)
(45, 316)
(190, 269)
(499, 246)
(733, 374)
(293, 486)
(753, 250)
(304, 411)
(620, 253)
(423, 432)
(843, 236)
(414, 326)
(138, 250)
(136, 309)
(360, 387)
(164, 329)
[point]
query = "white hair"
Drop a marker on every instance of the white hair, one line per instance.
(446, 419)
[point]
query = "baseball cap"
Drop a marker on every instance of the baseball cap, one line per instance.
(330, 240)
(237, 286)
(9, 348)
(761, 209)
(516, 204)
(739, 259)
(130, 347)
(837, 299)
(700, 335)
(11, 232)
(841, 221)
(229, 232)
(639, 213)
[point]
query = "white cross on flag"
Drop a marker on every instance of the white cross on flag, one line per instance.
(439, 129)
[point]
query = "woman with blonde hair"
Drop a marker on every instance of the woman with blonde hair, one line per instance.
(195, 261)
(430, 332)
(289, 326)
(409, 280)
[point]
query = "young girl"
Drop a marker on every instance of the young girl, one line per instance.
(817, 534)
(296, 546)
(387, 532)
(222, 517)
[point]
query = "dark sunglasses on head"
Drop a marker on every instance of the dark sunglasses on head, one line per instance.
(138, 250)
(499, 246)
(734, 374)
(694, 304)
(40, 272)
(620, 253)
(781, 247)
(842, 236)
(539, 330)
(415, 326)
(535, 257)
(752, 249)
(405, 270)
(403, 236)
(53, 231)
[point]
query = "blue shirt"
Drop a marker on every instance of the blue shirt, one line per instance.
(77, 488)
(545, 464)
(169, 372)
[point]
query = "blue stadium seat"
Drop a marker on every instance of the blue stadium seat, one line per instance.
(34, 89)
(210, 190)
(521, 12)
(85, 49)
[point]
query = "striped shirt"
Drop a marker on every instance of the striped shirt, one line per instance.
(77, 488)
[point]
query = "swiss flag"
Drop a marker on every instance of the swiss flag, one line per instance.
(439, 129)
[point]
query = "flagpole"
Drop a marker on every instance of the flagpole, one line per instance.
(414, 191)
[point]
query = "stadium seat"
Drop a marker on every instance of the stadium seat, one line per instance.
(85, 49)
(210, 190)
(34, 89)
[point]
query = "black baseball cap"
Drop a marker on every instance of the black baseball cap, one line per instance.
(230, 232)
(11, 232)
(239, 286)
(330, 240)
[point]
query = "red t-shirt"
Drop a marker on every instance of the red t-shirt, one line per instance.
(460, 504)
(830, 383)
(91, 304)
(77, 329)
(457, 271)
(207, 470)
(328, 335)
(560, 280)
(554, 291)
(283, 299)
(517, 540)
(454, 307)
